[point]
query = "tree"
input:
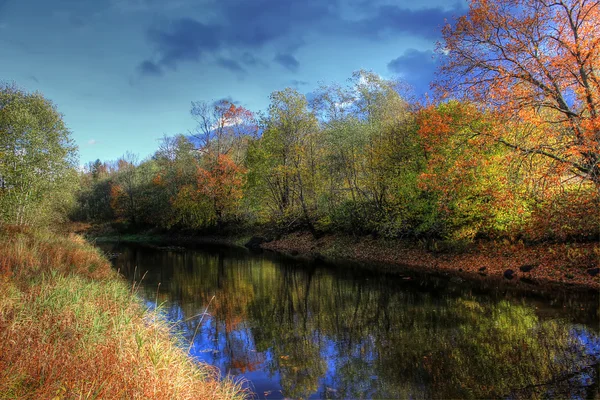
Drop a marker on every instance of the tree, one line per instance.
(37, 158)
(126, 188)
(476, 188)
(94, 194)
(535, 63)
(97, 169)
(222, 128)
(283, 161)
(372, 154)
(177, 165)
(222, 185)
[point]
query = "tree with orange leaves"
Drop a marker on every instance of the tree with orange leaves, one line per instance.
(535, 64)
(221, 182)
(478, 191)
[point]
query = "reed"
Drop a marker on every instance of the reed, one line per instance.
(70, 327)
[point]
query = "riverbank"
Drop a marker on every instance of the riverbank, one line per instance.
(572, 265)
(541, 267)
(71, 327)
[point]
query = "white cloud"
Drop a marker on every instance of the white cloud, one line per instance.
(92, 142)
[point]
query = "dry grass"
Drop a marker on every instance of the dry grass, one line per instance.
(71, 328)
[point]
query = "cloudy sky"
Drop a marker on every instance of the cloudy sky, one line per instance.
(123, 72)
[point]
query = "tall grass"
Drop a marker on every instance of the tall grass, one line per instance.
(71, 328)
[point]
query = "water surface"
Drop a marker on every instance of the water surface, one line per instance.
(297, 329)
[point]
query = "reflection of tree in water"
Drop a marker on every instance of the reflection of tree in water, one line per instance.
(406, 343)
(210, 276)
(509, 352)
(294, 346)
(347, 337)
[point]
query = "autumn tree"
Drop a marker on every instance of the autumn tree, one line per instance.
(475, 187)
(175, 178)
(222, 128)
(534, 63)
(222, 186)
(223, 131)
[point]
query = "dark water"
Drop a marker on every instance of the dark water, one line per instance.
(300, 330)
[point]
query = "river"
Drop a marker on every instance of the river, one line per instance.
(300, 329)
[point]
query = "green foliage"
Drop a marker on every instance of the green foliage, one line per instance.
(279, 159)
(93, 199)
(37, 159)
(371, 157)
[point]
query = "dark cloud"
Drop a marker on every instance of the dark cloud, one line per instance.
(416, 68)
(149, 68)
(247, 26)
(231, 65)
(256, 22)
(242, 25)
(413, 61)
(184, 39)
(287, 61)
(425, 22)
(250, 60)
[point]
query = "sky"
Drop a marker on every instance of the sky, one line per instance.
(124, 72)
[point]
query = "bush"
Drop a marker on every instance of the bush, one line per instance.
(570, 215)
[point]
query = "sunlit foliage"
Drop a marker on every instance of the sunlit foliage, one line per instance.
(37, 159)
(361, 159)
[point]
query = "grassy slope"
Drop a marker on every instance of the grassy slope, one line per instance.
(70, 327)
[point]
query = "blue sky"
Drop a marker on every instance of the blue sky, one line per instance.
(124, 72)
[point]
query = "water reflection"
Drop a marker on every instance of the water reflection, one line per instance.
(302, 331)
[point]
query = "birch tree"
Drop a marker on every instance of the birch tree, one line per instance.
(37, 158)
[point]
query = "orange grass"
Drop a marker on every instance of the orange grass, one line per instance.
(71, 328)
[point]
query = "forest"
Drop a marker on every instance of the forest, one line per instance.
(358, 159)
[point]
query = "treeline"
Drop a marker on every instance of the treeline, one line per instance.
(357, 159)
(509, 149)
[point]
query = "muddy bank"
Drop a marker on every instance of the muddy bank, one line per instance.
(540, 267)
